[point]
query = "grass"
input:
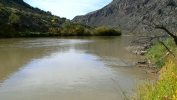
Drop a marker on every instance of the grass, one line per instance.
(165, 86)
(158, 53)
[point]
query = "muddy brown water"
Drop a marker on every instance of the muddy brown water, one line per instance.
(67, 68)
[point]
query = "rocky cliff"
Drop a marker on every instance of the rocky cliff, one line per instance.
(128, 15)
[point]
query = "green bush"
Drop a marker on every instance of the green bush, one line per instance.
(68, 32)
(13, 18)
(87, 32)
(7, 31)
(79, 30)
(68, 24)
(103, 31)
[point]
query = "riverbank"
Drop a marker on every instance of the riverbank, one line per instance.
(77, 30)
(164, 87)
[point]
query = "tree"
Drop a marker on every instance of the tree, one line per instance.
(79, 30)
(14, 19)
(87, 32)
(104, 31)
(68, 24)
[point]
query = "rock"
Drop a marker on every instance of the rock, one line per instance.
(141, 64)
(146, 64)
(142, 53)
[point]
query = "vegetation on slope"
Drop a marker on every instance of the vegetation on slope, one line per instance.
(75, 29)
(18, 19)
(165, 87)
(103, 31)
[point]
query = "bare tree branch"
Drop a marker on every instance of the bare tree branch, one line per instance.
(164, 45)
(162, 27)
(167, 31)
(166, 48)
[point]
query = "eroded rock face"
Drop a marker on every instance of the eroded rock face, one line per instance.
(128, 15)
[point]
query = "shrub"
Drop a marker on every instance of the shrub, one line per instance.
(103, 31)
(7, 31)
(68, 24)
(87, 32)
(165, 88)
(79, 30)
(53, 20)
(13, 18)
(68, 32)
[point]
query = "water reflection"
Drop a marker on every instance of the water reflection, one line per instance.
(78, 68)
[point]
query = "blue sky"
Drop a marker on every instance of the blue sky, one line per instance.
(68, 8)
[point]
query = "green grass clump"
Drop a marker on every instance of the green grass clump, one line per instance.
(165, 88)
(158, 53)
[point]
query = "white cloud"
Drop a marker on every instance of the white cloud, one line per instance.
(68, 8)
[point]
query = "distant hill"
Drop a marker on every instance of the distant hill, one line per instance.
(25, 18)
(128, 15)
(15, 3)
(18, 18)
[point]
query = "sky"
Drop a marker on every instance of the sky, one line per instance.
(68, 8)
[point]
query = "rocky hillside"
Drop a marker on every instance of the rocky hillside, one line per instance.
(18, 19)
(15, 3)
(128, 15)
(19, 16)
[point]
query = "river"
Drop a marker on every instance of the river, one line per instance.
(67, 68)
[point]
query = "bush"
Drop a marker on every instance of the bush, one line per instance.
(68, 32)
(7, 31)
(68, 24)
(165, 88)
(102, 31)
(79, 30)
(87, 32)
(13, 18)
